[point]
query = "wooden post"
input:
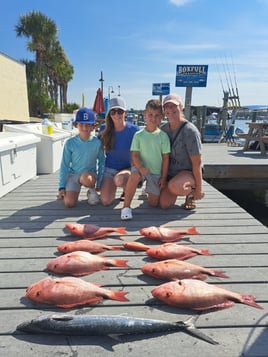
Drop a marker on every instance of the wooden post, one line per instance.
(187, 105)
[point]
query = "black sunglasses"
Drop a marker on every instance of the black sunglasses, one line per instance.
(118, 111)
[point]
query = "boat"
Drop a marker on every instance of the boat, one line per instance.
(212, 130)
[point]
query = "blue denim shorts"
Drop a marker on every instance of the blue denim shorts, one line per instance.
(108, 172)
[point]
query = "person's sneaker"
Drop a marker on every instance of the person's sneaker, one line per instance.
(92, 196)
(126, 214)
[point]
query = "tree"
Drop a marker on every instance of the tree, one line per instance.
(49, 75)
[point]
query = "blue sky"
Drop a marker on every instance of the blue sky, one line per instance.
(140, 42)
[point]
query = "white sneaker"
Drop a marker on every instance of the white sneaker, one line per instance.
(126, 214)
(93, 197)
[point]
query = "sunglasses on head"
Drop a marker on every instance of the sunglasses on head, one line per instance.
(118, 111)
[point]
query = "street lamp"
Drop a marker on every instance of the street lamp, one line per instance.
(110, 91)
(119, 90)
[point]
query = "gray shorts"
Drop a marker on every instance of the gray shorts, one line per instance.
(112, 172)
(73, 182)
(152, 182)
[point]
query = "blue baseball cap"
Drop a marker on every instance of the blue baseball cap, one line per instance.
(85, 116)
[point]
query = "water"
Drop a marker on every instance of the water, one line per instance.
(251, 201)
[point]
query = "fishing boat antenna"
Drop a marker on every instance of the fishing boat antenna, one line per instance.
(234, 96)
(230, 98)
(236, 86)
(219, 73)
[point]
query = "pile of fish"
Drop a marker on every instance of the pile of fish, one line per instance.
(80, 259)
(182, 284)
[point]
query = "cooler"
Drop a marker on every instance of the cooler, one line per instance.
(49, 148)
(17, 160)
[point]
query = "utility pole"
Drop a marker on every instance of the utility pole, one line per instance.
(101, 80)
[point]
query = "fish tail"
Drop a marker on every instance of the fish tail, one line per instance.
(118, 295)
(192, 230)
(61, 249)
(189, 325)
(250, 300)
(121, 230)
(120, 263)
(204, 252)
(220, 274)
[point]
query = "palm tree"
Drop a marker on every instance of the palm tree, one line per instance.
(40, 29)
(52, 70)
(60, 72)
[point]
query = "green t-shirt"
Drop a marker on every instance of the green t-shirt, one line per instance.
(151, 146)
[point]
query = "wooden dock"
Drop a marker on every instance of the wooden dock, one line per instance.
(32, 226)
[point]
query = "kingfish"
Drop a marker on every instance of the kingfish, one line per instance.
(96, 325)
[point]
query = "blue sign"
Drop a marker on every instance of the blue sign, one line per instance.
(161, 88)
(191, 75)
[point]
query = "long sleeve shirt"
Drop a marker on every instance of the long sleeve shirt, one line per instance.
(82, 156)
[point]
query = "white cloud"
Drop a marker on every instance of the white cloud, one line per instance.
(180, 2)
(167, 46)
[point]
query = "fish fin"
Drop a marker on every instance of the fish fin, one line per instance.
(189, 324)
(200, 276)
(121, 230)
(204, 252)
(62, 317)
(173, 240)
(192, 230)
(84, 273)
(118, 295)
(97, 284)
(115, 337)
(120, 263)
(220, 273)
(90, 229)
(225, 305)
(250, 300)
(94, 300)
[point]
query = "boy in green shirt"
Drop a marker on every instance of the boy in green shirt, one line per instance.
(150, 158)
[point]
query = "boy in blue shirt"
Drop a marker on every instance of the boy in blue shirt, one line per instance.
(82, 161)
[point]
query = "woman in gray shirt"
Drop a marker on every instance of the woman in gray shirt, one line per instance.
(185, 165)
